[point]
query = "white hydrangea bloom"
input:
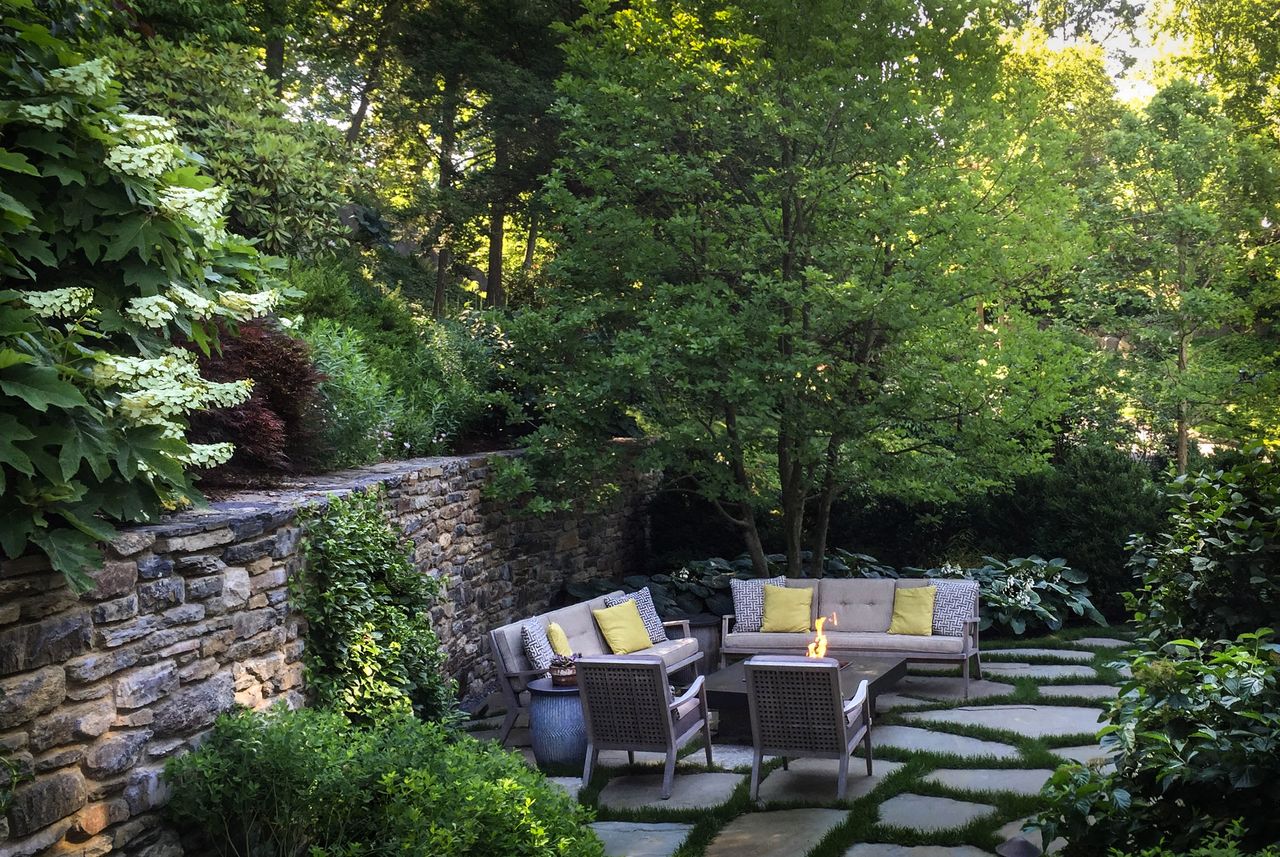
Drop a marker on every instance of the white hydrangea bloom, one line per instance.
(89, 79)
(59, 303)
(197, 305)
(154, 311)
(49, 116)
(202, 207)
(144, 162)
(208, 454)
(143, 130)
(250, 304)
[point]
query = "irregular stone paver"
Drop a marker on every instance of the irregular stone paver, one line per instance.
(1103, 642)
(1031, 721)
(874, 849)
(929, 814)
(892, 702)
(691, 791)
(1091, 691)
(728, 755)
(814, 781)
(1085, 754)
(1124, 672)
(945, 688)
(572, 785)
(638, 839)
(912, 738)
(618, 758)
(1015, 670)
(1058, 654)
(786, 833)
(1014, 829)
(1020, 782)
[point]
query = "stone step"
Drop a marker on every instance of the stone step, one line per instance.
(781, 833)
(1031, 721)
(1015, 781)
(640, 839)
(925, 740)
(930, 814)
(813, 781)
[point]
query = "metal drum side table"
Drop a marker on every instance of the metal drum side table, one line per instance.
(556, 726)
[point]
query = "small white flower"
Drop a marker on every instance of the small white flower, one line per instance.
(89, 79)
(49, 116)
(154, 311)
(245, 305)
(59, 303)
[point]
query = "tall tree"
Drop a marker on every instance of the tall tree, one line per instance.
(774, 234)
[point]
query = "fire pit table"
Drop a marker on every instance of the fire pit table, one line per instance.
(727, 691)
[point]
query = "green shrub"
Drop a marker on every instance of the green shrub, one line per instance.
(371, 650)
(359, 404)
(112, 246)
(286, 177)
(1225, 845)
(1212, 573)
(308, 784)
(1026, 593)
(1195, 737)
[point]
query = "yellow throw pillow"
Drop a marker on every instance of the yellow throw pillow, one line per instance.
(913, 611)
(559, 639)
(622, 627)
(786, 609)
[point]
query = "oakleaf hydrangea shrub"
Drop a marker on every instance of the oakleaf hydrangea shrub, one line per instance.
(371, 650)
(1195, 737)
(112, 245)
(307, 784)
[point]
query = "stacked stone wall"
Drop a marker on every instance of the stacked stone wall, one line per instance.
(190, 617)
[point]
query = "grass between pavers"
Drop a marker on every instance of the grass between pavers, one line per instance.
(862, 824)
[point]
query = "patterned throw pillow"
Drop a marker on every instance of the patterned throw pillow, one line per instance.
(648, 613)
(748, 601)
(537, 648)
(955, 603)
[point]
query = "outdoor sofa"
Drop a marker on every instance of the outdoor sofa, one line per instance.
(515, 672)
(863, 609)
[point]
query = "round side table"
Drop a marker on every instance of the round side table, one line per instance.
(556, 727)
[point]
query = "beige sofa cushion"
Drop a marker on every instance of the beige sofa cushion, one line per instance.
(859, 605)
(798, 583)
(760, 641)
(580, 626)
(844, 643)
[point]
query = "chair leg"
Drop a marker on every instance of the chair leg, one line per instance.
(508, 723)
(977, 665)
(843, 781)
(755, 775)
(669, 773)
(706, 739)
(785, 763)
(966, 678)
(592, 756)
(866, 745)
(631, 757)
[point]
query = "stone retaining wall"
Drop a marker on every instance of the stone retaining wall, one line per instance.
(190, 616)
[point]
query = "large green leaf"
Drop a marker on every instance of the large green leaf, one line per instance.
(16, 162)
(71, 552)
(40, 387)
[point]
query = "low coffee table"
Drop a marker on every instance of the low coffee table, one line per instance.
(727, 691)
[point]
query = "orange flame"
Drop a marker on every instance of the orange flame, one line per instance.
(818, 648)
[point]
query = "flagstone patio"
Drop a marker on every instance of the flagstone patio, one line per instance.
(952, 777)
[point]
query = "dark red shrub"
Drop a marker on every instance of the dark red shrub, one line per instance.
(277, 429)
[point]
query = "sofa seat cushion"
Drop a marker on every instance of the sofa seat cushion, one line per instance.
(762, 641)
(673, 651)
(858, 605)
(840, 643)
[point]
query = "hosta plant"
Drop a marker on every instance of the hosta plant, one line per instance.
(1027, 592)
(112, 245)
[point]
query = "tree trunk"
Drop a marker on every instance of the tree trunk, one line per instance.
(496, 295)
(822, 524)
(362, 110)
(1184, 411)
(448, 140)
(530, 243)
(755, 548)
(275, 63)
(374, 76)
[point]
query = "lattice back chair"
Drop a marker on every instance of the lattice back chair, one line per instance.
(628, 705)
(798, 710)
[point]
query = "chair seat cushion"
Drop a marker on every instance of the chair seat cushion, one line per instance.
(673, 651)
(847, 642)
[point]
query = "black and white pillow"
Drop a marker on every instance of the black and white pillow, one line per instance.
(648, 613)
(537, 648)
(954, 603)
(748, 601)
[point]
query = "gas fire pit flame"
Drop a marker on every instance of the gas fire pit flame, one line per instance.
(818, 648)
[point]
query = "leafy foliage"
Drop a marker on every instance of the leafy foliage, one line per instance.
(1218, 845)
(1195, 737)
(286, 177)
(298, 783)
(371, 650)
(1211, 573)
(1027, 593)
(275, 430)
(113, 246)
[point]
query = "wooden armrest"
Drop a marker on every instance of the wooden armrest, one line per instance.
(725, 623)
(682, 624)
(859, 697)
(694, 690)
(524, 673)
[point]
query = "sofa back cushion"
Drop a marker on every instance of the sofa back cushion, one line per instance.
(580, 626)
(858, 605)
(805, 583)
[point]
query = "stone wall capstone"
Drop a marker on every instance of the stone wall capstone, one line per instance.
(190, 617)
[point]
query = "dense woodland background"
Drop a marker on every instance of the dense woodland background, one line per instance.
(922, 279)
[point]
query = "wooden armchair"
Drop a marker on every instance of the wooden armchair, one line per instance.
(628, 705)
(798, 710)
